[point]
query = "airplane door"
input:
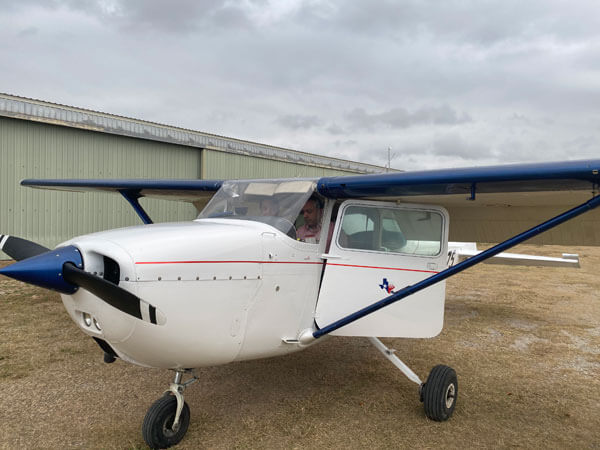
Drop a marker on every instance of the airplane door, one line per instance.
(377, 249)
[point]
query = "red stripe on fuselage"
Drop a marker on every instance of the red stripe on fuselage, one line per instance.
(229, 262)
(384, 268)
(284, 262)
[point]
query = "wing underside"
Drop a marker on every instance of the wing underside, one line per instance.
(197, 192)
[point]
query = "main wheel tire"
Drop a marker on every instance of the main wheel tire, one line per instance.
(440, 393)
(157, 428)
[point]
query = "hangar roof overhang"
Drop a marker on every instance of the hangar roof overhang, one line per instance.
(68, 116)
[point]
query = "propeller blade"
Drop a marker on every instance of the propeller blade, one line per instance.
(112, 294)
(19, 249)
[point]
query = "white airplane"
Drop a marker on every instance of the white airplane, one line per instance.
(270, 267)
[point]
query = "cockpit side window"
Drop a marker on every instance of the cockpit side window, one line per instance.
(310, 220)
(394, 230)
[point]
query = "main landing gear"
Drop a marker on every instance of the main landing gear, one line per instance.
(438, 393)
(168, 418)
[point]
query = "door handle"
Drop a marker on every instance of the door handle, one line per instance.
(330, 256)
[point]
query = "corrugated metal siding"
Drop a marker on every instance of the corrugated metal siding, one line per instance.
(219, 165)
(36, 150)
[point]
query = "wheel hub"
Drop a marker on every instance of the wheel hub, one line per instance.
(168, 429)
(450, 395)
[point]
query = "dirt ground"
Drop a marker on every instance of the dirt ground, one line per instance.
(525, 343)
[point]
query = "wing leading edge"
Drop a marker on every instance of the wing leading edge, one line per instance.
(512, 178)
(183, 190)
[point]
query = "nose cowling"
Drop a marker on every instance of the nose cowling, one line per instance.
(62, 270)
(46, 269)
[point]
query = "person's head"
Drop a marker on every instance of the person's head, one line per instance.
(312, 212)
(269, 207)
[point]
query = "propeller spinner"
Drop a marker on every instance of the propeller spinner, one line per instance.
(62, 270)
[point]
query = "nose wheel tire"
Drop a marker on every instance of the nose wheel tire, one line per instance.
(439, 393)
(158, 430)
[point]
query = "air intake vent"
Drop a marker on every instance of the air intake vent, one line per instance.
(111, 270)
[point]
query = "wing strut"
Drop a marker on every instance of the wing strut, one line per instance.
(133, 198)
(453, 270)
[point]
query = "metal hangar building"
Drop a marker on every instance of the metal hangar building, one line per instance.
(45, 140)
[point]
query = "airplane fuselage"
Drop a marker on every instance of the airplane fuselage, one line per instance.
(224, 290)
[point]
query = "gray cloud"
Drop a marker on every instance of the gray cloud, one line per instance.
(450, 83)
(29, 31)
(479, 23)
(472, 23)
(182, 15)
(401, 118)
(298, 121)
(582, 143)
(335, 129)
(175, 16)
(453, 144)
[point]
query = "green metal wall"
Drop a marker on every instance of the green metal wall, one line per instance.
(30, 149)
(38, 150)
(218, 165)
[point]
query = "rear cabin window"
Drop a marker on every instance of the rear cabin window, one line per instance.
(394, 230)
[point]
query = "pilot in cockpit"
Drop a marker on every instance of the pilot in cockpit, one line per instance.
(269, 207)
(312, 213)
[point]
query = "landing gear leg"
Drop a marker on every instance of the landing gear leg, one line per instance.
(438, 393)
(168, 418)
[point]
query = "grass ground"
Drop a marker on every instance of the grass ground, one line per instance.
(524, 342)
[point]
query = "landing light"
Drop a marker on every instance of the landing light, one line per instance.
(87, 319)
(97, 325)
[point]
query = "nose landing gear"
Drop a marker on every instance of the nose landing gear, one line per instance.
(168, 418)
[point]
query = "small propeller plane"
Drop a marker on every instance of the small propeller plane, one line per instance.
(271, 267)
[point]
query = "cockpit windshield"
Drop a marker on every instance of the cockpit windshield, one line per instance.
(275, 202)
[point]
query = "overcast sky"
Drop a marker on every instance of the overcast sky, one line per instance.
(443, 83)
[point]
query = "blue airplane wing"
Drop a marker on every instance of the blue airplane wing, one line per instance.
(473, 181)
(486, 204)
(490, 204)
(545, 177)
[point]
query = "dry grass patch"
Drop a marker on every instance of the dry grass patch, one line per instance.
(525, 343)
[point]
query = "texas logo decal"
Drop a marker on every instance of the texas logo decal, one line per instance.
(387, 286)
